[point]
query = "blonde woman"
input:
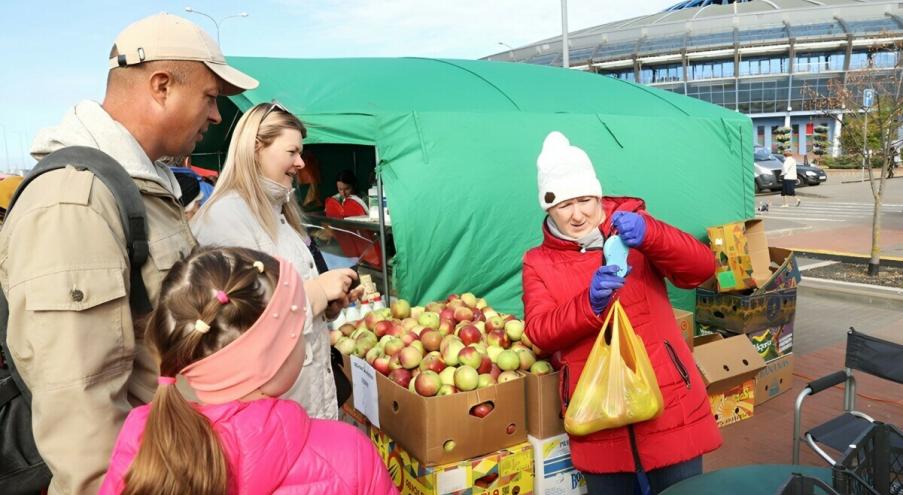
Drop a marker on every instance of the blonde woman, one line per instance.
(253, 206)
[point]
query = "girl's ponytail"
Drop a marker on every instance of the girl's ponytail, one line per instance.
(180, 453)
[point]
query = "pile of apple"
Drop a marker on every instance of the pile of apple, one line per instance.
(443, 348)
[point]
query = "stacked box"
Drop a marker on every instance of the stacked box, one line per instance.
(504, 472)
(734, 404)
(728, 368)
(775, 379)
(544, 417)
(554, 473)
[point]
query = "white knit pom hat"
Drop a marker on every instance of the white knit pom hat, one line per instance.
(564, 172)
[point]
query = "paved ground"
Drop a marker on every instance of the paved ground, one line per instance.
(836, 217)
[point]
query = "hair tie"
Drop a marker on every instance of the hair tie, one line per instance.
(222, 297)
(201, 326)
(259, 266)
(166, 380)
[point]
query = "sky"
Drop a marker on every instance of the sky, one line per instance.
(54, 53)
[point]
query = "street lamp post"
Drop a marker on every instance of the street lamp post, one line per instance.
(565, 62)
(215, 22)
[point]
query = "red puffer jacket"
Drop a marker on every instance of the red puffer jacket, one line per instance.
(559, 318)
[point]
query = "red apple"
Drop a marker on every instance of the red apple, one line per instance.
(372, 319)
(478, 315)
(395, 363)
(470, 334)
(470, 356)
(485, 364)
(432, 362)
(431, 339)
(427, 383)
(400, 376)
(408, 337)
(381, 364)
(382, 327)
(495, 371)
(498, 338)
(452, 297)
(494, 323)
(446, 327)
(447, 314)
(372, 354)
(410, 358)
(482, 409)
(392, 346)
(463, 314)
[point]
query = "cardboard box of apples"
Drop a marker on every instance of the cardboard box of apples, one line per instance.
(449, 375)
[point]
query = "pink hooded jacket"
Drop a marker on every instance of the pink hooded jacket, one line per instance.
(274, 447)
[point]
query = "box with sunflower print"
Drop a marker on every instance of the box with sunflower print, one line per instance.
(505, 472)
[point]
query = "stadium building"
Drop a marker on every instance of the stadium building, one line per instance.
(764, 58)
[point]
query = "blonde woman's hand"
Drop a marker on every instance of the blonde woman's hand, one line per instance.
(336, 283)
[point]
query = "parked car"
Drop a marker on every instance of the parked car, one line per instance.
(807, 175)
(768, 170)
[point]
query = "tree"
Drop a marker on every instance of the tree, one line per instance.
(820, 142)
(782, 136)
(884, 119)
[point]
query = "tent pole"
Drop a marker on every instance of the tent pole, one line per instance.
(382, 229)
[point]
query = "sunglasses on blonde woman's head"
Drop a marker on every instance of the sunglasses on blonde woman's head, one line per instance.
(274, 105)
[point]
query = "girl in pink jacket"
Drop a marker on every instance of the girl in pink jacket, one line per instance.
(230, 322)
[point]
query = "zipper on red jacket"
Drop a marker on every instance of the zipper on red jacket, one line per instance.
(565, 386)
(681, 370)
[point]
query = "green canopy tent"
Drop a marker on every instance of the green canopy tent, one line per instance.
(457, 142)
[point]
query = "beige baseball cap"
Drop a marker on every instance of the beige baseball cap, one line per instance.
(169, 37)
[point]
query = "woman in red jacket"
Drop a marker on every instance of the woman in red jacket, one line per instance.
(568, 289)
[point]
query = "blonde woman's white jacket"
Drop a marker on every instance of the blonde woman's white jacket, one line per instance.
(230, 222)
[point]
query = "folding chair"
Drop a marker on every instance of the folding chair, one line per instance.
(866, 354)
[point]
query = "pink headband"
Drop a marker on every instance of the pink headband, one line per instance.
(254, 358)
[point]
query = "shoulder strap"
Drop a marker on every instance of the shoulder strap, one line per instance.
(128, 198)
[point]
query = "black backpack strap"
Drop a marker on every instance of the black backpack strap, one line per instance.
(128, 197)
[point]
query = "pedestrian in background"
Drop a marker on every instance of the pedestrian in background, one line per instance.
(788, 178)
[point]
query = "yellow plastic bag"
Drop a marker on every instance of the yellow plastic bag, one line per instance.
(618, 385)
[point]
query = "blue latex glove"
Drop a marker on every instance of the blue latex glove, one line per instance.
(630, 226)
(605, 282)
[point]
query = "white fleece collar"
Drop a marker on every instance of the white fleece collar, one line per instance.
(88, 124)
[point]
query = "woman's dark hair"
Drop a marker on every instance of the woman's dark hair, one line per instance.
(348, 177)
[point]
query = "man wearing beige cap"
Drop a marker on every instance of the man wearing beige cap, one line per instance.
(63, 263)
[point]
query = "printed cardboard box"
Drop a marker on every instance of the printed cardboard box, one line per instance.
(544, 418)
(504, 472)
(725, 363)
(770, 343)
(728, 368)
(734, 404)
(554, 473)
(424, 426)
(741, 252)
(775, 379)
(686, 324)
(744, 313)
